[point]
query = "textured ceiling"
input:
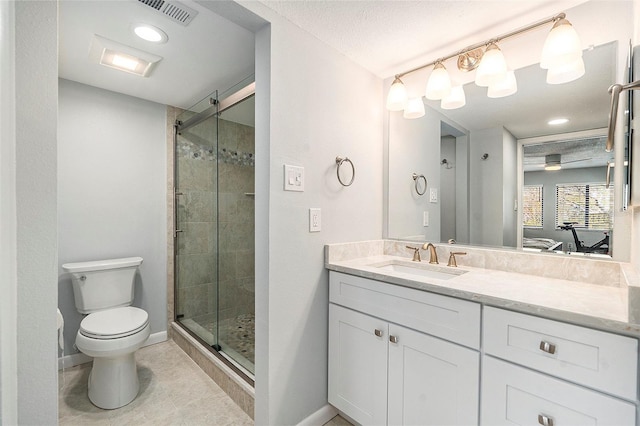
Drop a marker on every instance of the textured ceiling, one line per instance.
(385, 36)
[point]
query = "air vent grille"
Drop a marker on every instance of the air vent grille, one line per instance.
(174, 10)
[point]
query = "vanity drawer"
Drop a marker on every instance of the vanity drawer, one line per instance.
(597, 359)
(513, 395)
(445, 317)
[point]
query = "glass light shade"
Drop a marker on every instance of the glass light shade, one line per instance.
(439, 83)
(562, 45)
(150, 33)
(507, 87)
(492, 68)
(414, 109)
(566, 73)
(397, 96)
(456, 99)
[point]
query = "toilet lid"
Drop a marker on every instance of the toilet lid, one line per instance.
(114, 323)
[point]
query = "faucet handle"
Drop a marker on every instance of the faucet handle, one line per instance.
(452, 258)
(416, 253)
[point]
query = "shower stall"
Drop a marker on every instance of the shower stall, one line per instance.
(214, 225)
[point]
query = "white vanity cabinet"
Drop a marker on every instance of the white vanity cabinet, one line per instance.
(386, 366)
(587, 373)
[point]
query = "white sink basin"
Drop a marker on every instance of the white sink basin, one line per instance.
(420, 269)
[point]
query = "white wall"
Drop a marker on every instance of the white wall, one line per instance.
(8, 281)
(29, 379)
(112, 192)
(320, 105)
(414, 147)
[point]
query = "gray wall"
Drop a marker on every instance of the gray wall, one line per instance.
(308, 125)
(462, 189)
(112, 192)
(448, 188)
(492, 187)
(414, 147)
(28, 213)
(549, 181)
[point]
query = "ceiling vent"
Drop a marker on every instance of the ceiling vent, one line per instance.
(174, 10)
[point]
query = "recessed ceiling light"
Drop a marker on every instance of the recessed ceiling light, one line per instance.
(557, 121)
(121, 57)
(150, 33)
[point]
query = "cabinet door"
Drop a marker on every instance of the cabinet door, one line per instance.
(358, 365)
(431, 381)
(513, 395)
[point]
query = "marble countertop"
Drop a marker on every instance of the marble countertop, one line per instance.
(598, 306)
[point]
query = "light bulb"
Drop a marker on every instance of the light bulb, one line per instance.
(492, 68)
(456, 99)
(562, 46)
(439, 83)
(506, 87)
(397, 96)
(414, 109)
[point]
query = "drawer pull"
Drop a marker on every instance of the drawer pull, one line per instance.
(378, 332)
(393, 339)
(547, 347)
(545, 420)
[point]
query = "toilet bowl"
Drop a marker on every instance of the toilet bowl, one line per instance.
(112, 330)
(111, 337)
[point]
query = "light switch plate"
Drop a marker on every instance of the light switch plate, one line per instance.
(315, 220)
(425, 218)
(293, 178)
(433, 195)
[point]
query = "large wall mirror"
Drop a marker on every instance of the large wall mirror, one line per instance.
(484, 162)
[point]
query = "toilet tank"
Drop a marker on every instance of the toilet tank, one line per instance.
(103, 284)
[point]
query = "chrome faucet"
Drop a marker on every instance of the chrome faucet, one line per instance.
(433, 256)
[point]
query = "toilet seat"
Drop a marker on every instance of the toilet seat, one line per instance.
(114, 323)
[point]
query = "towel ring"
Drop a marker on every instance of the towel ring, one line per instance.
(416, 177)
(339, 161)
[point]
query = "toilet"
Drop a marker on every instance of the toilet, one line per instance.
(112, 330)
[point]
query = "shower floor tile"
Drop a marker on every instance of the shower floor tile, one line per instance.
(173, 391)
(237, 333)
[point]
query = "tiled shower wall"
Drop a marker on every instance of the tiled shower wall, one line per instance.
(198, 208)
(236, 222)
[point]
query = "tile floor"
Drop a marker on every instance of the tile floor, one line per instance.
(173, 391)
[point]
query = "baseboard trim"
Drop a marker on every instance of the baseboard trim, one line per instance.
(78, 358)
(320, 417)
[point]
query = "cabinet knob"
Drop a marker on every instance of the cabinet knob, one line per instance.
(547, 347)
(378, 332)
(545, 420)
(393, 339)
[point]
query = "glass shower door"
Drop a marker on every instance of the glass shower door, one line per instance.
(196, 291)
(236, 232)
(215, 245)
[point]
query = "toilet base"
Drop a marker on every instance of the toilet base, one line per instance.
(113, 382)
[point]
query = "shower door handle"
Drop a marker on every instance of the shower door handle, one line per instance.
(175, 213)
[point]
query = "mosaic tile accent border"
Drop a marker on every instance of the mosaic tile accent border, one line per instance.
(188, 149)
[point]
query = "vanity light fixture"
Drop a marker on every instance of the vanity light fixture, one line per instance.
(561, 56)
(506, 87)
(397, 97)
(121, 57)
(149, 33)
(414, 109)
(456, 98)
(439, 83)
